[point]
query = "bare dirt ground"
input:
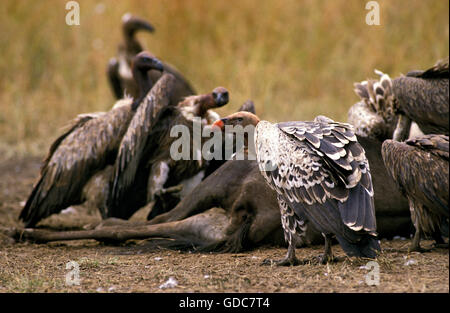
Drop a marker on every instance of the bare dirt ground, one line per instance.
(140, 267)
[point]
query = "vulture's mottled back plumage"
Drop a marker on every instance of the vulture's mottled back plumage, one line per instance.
(420, 168)
(321, 175)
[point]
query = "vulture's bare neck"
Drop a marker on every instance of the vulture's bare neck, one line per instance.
(144, 83)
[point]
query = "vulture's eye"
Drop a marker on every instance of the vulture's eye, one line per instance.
(239, 119)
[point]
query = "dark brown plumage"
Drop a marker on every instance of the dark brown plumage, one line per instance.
(321, 176)
(420, 167)
(423, 98)
(119, 68)
(420, 96)
(248, 106)
(144, 165)
(85, 149)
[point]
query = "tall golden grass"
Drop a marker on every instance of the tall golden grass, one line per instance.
(295, 59)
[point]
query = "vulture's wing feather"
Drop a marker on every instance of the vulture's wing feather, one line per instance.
(182, 82)
(420, 169)
(425, 99)
(321, 163)
(135, 139)
(89, 145)
(325, 217)
(439, 70)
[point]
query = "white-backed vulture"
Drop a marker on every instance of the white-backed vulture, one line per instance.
(321, 176)
(144, 165)
(420, 167)
(119, 68)
(85, 149)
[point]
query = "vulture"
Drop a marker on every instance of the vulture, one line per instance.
(420, 96)
(321, 176)
(119, 68)
(372, 117)
(144, 166)
(420, 167)
(88, 146)
(215, 163)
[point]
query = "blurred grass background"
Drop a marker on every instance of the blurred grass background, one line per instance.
(295, 59)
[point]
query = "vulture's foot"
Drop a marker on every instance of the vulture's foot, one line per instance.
(284, 262)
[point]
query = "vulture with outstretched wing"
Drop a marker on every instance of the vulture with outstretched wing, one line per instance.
(420, 167)
(85, 149)
(144, 166)
(322, 176)
(119, 68)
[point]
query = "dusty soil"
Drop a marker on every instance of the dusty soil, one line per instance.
(140, 267)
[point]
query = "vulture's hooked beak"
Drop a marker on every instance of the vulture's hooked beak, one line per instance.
(144, 25)
(220, 98)
(158, 65)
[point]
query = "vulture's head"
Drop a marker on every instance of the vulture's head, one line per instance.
(131, 24)
(202, 103)
(239, 118)
(248, 106)
(145, 61)
(220, 96)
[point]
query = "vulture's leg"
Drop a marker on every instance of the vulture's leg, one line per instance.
(401, 132)
(415, 243)
(288, 221)
(289, 259)
(328, 254)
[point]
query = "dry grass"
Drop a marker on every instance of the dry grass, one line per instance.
(134, 268)
(296, 59)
